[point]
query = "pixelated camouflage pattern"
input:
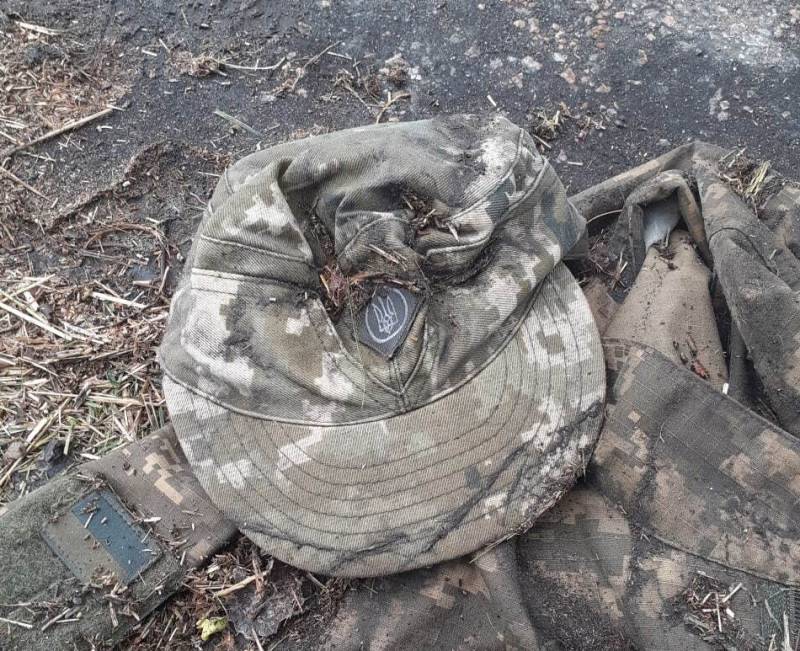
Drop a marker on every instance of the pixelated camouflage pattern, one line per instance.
(153, 475)
(755, 257)
(247, 328)
(684, 482)
(326, 454)
(152, 480)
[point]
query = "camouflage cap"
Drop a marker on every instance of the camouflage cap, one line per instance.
(449, 411)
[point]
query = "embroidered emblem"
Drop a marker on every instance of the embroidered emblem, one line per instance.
(387, 318)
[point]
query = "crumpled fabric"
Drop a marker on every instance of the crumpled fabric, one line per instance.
(757, 264)
(686, 485)
(755, 257)
(690, 499)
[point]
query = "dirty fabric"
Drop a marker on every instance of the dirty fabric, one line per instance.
(758, 267)
(669, 308)
(128, 525)
(685, 484)
(328, 436)
(748, 234)
(684, 532)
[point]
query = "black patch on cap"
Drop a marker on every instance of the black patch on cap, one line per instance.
(387, 318)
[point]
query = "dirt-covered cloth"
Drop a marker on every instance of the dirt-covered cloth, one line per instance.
(690, 500)
(756, 261)
(87, 556)
(447, 409)
(752, 244)
(684, 532)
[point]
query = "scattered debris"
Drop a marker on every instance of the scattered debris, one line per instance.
(70, 126)
(201, 65)
(369, 86)
(751, 180)
(51, 85)
(396, 70)
(707, 608)
(258, 598)
(209, 626)
(390, 99)
(237, 123)
(547, 125)
(293, 73)
(83, 299)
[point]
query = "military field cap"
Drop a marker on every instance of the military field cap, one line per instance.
(375, 359)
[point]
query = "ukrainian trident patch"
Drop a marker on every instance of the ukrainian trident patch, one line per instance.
(387, 318)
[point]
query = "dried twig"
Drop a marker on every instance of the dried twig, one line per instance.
(75, 124)
(234, 66)
(102, 296)
(15, 622)
(16, 179)
(39, 324)
(236, 122)
(241, 584)
(391, 100)
(36, 28)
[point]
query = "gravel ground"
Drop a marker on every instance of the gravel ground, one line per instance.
(655, 73)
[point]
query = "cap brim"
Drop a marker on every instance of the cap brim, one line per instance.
(428, 485)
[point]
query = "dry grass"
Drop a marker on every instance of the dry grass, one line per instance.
(78, 369)
(708, 607)
(49, 79)
(85, 283)
(754, 181)
(83, 303)
(76, 363)
(83, 288)
(264, 604)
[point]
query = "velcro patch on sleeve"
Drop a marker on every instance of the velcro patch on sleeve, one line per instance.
(96, 536)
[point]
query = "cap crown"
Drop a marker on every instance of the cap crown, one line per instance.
(248, 328)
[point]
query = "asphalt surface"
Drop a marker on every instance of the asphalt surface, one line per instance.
(645, 76)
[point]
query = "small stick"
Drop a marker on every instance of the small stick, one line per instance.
(316, 581)
(735, 589)
(543, 142)
(234, 66)
(102, 296)
(9, 137)
(37, 28)
(787, 641)
(16, 179)
(238, 586)
(16, 623)
(57, 132)
(114, 620)
(36, 322)
(10, 472)
(317, 57)
(237, 122)
(392, 100)
(66, 613)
